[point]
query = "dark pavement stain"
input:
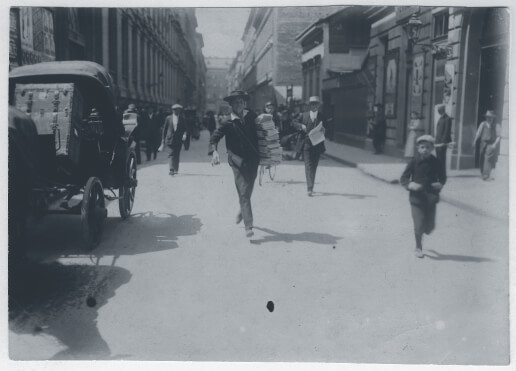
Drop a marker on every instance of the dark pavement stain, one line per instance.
(91, 302)
(270, 306)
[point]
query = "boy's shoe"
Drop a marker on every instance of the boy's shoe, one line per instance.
(171, 172)
(310, 193)
(418, 252)
(249, 232)
(239, 218)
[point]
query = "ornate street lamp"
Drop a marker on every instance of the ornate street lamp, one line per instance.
(413, 28)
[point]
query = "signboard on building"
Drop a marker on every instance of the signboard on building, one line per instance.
(391, 83)
(36, 35)
(418, 65)
(14, 38)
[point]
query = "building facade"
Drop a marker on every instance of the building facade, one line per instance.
(459, 59)
(216, 83)
(334, 59)
(270, 56)
(201, 75)
(235, 73)
(151, 53)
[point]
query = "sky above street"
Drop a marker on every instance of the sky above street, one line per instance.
(222, 30)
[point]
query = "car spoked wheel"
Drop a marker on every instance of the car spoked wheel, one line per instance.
(93, 212)
(128, 191)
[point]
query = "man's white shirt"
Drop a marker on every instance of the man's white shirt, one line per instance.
(175, 120)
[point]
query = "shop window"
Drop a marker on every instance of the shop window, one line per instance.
(112, 31)
(134, 46)
(125, 48)
(441, 25)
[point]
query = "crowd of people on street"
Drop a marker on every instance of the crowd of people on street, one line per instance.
(424, 175)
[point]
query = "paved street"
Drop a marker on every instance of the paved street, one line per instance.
(179, 280)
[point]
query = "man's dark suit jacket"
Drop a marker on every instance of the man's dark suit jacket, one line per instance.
(245, 147)
(174, 139)
(443, 130)
(307, 121)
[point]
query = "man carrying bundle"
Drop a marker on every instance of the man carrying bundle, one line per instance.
(243, 156)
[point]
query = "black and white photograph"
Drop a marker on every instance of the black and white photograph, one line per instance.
(257, 185)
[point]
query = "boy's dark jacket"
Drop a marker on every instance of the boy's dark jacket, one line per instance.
(425, 172)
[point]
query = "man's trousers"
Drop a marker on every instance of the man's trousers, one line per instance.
(311, 158)
(244, 182)
(173, 156)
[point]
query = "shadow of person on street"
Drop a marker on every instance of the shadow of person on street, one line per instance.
(352, 196)
(458, 258)
(313, 237)
(62, 301)
(61, 236)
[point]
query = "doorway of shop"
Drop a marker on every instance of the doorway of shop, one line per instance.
(492, 83)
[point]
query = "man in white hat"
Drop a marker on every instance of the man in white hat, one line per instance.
(175, 127)
(311, 153)
(489, 134)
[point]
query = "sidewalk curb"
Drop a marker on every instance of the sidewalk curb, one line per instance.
(445, 199)
(342, 161)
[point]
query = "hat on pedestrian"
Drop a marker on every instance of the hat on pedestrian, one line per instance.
(177, 106)
(425, 138)
(314, 99)
(131, 106)
(269, 103)
(236, 94)
(490, 113)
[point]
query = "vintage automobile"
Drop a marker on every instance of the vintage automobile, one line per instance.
(82, 154)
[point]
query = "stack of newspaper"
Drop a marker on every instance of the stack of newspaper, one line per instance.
(268, 140)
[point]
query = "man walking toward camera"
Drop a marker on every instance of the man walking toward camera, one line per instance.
(311, 153)
(243, 156)
(175, 128)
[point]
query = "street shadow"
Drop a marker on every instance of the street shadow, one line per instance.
(203, 175)
(458, 258)
(62, 301)
(288, 182)
(351, 196)
(313, 237)
(61, 236)
(464, 176)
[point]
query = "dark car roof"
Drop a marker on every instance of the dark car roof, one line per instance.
(85, 69)
(94, 82)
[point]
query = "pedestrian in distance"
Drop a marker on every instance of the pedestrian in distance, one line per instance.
(211, 122)
(311, 153)
(243, 156)
(415, 130)
(379, 128)
(489, 134)
(144, 125)
(270, 109)
(191, 122)
(156, 121)
(442, 135)
(131, 108)
(424, 177)
(175, 128)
